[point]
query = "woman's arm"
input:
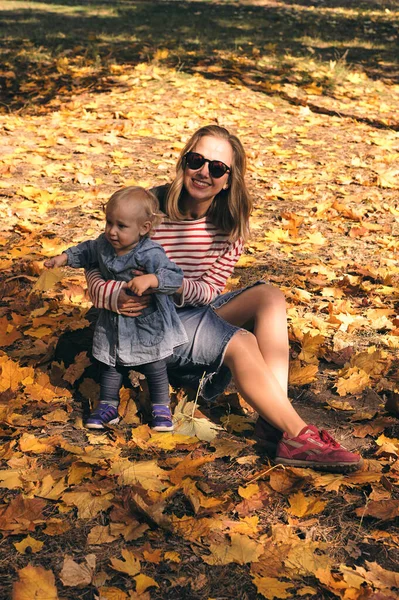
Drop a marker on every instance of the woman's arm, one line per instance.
(111, 295)
(103, 294)
(201, 291)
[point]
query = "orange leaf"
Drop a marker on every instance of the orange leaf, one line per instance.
(382, 509)
(77, 368)
(34, 582)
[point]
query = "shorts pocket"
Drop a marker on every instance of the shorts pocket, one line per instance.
(150, 329)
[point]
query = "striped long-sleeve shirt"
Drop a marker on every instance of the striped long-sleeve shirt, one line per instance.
(203, 252)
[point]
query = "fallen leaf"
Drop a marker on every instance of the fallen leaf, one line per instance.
(302, 506)
(129, 565)
(29, 542)
(78, 575)
(270, 588)
(34, 582)
(241, 549)
(143, 582)
(48, 279)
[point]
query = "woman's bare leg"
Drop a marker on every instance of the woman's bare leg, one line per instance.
(263, 309)
(259, 361)
(257, 384)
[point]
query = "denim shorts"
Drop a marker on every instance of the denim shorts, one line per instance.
(208, 336)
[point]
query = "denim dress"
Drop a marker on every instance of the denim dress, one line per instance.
(158, 330)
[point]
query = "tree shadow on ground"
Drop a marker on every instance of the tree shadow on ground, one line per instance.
(57, 49)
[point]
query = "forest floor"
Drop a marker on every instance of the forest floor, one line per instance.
(99, 95)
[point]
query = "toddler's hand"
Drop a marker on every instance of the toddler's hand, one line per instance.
(142, 283)
(56, 261)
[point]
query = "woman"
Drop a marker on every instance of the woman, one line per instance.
(208, 208)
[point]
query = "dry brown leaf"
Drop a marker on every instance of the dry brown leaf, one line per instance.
(100, 534)
(77, 368)
(78, 575)
(385, 510)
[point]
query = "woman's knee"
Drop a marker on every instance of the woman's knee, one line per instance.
(241, 343)
(270, 295)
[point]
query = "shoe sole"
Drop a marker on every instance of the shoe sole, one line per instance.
(334, 467)
(100, 425)
(163, 428)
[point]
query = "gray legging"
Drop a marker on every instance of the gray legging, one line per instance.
(155, 373)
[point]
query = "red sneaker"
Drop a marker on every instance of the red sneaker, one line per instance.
(316, 449)
(267, 437)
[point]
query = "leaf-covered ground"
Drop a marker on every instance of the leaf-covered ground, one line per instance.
(99, 95)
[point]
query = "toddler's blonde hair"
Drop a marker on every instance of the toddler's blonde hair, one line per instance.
(147, 202)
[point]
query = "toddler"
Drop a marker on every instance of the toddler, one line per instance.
(144, 342)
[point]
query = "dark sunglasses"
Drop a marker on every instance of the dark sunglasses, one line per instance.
(195, 161)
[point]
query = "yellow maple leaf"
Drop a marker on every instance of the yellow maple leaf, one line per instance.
(172, 556)
(11, 479)
(13, 375)
(270, 587)
(130, 565)
(305, 558)
(29, 542)
(299, 375)
(302, 506)
(29, 443)
(48, 279)
(339, 405)
(249, 490)
(112, 593)
(310, 348)
(39, 333)
(188, 424)
(143, 582)
(34, 582)
(147, 473)
(49, 488)
(169, 441)
(77, 472)
(246, 261)
(88, 506)
(354, 382)
(242, 549)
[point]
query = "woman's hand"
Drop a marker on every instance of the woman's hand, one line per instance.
(132, 306)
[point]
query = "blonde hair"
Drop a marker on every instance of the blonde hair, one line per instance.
(147, 202)
(231, 208)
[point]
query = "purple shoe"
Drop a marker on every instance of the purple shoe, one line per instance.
(104, 414)
(161, 418)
